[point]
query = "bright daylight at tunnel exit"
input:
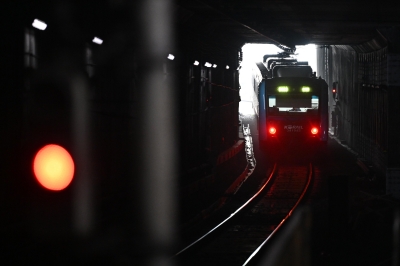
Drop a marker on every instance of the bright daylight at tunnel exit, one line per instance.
(254, 52)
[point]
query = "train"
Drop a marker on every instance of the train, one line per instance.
(290, 102)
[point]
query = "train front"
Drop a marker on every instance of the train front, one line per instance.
(296, 112)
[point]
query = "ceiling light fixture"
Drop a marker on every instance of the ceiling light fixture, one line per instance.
(38, 24)
(97, 40)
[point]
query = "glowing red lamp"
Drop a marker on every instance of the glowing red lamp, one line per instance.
(314, 130)
(53, 167)
(272, 130)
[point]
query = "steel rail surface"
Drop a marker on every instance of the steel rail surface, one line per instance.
(284, 219)
(273, 172)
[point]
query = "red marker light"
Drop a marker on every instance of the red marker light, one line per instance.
(272, 130)
(53, 167)
(314, 130)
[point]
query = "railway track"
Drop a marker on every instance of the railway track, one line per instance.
(237, 239)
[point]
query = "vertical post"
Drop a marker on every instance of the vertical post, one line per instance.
(83, 190)
(67, 55)
(156, 132)
(202, 108)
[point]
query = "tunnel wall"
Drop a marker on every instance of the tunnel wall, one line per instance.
(212, 156)
(366, 106)
(209, 102)
(372, 126)
(361, 105)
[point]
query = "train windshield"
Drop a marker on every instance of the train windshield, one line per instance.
(293, 104)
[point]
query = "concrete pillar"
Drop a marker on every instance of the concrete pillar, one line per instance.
(155, 145)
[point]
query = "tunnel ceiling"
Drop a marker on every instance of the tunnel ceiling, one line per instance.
(290, 22)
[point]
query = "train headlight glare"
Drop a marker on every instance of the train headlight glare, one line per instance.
(283, 88)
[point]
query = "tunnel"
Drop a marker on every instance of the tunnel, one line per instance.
(144, 96)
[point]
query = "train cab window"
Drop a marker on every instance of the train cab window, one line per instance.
(295, 104)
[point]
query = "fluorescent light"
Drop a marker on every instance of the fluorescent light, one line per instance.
(97, 40)
(207, 64)
(196, 63)
(171, 57)
(214, 66)
(38, 24)
(227, 67)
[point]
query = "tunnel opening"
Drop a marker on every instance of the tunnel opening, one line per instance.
(253, 53)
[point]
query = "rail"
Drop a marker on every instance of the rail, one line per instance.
(273, 172)
(232, 242)
(285, 219)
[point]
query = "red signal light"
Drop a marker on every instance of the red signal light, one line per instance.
(314, 130)
(272, 130)
(53, 167)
